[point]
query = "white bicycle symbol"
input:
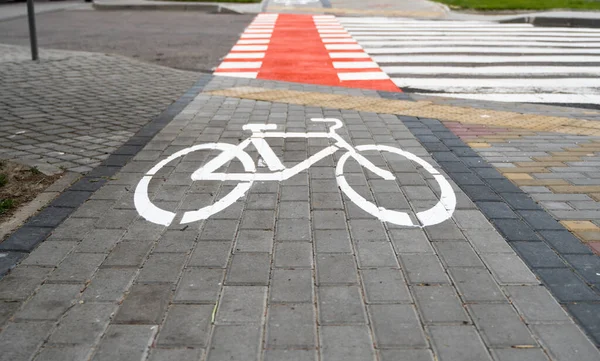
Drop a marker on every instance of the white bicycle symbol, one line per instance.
(437, 214)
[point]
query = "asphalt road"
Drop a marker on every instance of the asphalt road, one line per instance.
(183, 40)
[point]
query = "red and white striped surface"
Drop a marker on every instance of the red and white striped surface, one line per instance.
(306, 49)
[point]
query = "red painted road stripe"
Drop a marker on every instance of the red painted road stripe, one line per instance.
(290, 47)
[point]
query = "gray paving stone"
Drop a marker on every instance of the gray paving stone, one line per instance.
(235, 343)
(19, 341)
(100, 240)
(457, 342)
(293, 193)
(410, 241)
(117, 218)
(50, 302)
(566, 286)
(423, 268)
(218, 230)
(109, 285)
(83, 324)
(50, 353)
(471, 219)
(536, 304)
(348, 343)
(162, 267)
(176, 241)
(385, 285)
(254, 241)
(340, 305)
(439, 304)
(413, 355)
(293, 254)
(292, 285)
(510, 354)
(7, 309)
(199, 285)
(332, 241)
(292, 230)
(587, 266)
(588, 317)
(290, 355)
(329, 219)
(366, 230)
(396, 326)
(125, 342)
(500, 325)
(242, 304)
(475, 284)
(330, 200)
(77, 267)
(249, 268)
(211, 254)
(444, 231)
(294, 210)
(376, 254)
(509, 268)
(186, 325)
(538, 254)
(145, 304)
(565, 242)
(457, 254)
(176, 354)
(49, 253)
(128, 253)
(74, 228)
(565, 342)
(336, 269)
(291, 325)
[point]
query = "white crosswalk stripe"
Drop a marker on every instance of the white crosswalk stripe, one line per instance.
(484, 60)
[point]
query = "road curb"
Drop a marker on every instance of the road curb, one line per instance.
(548, 21)
(175, 6)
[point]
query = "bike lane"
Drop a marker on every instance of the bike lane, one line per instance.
(292, 270)
(305, 49)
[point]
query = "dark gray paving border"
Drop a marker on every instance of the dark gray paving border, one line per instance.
(40, 226)
(558, 258)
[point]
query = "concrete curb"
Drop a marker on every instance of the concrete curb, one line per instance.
(158, 5)
(546, 21)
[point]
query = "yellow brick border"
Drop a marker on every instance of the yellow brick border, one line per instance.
(426, 109)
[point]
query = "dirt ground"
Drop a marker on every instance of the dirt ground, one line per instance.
(20, 184)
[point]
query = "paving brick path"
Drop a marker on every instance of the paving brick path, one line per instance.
(73, 109)
(292, 271)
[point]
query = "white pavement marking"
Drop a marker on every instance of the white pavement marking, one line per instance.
(480, 34)
(440, 212)
(343, 47)
(253, 41)
(348, 55)
(450, 38)
(355, 64)
(346, 35)
(481, 49)
(527, 98)
(233, 74)
(332, 31)
(371, 75)
(495, 83)
(240, 65)
(258, 31)
(249, 48)
(256, 36)
(338, 40)
(485, 58)
(244, 55)
(491, 70)
(368, 44)
(380, 31)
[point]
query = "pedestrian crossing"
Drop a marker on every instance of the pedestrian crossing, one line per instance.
(484, 60)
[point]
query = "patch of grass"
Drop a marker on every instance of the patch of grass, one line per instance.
(35, 170)
(522, 4)
(6, 205)
(3, 180)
